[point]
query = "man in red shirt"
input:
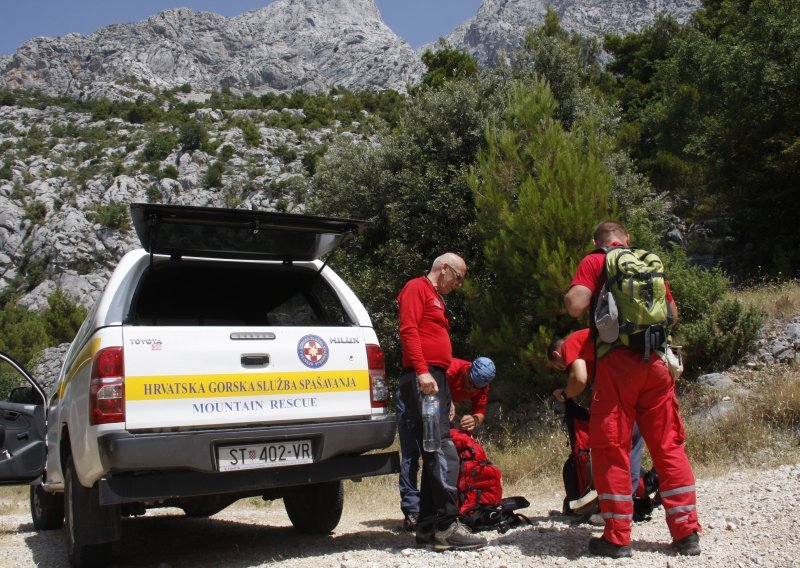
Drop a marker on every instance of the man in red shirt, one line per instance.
(629, 389)
(470, 381)
(427, 353)
(466, 381)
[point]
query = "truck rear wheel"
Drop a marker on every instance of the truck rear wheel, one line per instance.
(85, 519)
(316, 508)
(47, 510)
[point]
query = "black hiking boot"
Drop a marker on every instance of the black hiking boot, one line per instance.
(688, 545)
(601, 547)
(425, 535)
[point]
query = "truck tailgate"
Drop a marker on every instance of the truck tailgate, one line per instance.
(207, 376)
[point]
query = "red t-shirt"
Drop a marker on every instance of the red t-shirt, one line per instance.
(591, 267)
(579, 345)
(424, 328)
(457, 377)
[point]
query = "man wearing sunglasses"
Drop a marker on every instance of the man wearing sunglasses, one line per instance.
(427, 353)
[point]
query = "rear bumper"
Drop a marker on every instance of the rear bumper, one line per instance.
(189, 459)
(175, 485)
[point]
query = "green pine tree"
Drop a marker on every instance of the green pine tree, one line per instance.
(539, 190)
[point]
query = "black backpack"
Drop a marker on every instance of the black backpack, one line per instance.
(498, 518)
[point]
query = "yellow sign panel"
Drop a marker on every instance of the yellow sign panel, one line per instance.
(251, 384)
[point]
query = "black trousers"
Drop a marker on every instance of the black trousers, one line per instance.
(438, 495)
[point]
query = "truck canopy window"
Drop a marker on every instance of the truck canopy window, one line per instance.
(221, 293)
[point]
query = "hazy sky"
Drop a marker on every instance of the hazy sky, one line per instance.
(417, 21)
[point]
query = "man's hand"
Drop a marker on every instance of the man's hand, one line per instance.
(452, 412)
(427, 384)
(558, 394)
(468, 423)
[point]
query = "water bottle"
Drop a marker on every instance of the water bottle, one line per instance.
(431, 427)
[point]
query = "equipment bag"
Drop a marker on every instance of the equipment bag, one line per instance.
(480, 492)
(577, 470)
(631, 307)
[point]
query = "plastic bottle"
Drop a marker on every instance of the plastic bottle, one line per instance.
(431, 427)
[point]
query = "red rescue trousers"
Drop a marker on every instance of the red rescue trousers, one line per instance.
(628, 389)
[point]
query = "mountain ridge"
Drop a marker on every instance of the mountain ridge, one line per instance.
(313, 45)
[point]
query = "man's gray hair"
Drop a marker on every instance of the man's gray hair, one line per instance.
(450, 258)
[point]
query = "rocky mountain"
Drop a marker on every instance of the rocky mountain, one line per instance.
(499, 27)
(64, 175)
(287, 45)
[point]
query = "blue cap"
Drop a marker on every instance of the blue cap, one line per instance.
(482, 372)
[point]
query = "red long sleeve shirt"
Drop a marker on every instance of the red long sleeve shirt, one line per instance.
(424, 327)
(457, 376)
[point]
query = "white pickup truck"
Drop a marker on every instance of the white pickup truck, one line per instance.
(223, 360)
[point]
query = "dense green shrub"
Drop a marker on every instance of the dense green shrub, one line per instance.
(111, 216)
(5, 171)
(62, 318)
(193, 135)
(36, 212)
(286, 153)
(720, 338)
(225, 152)
(250, 132)
(213, 177)
(159, 146)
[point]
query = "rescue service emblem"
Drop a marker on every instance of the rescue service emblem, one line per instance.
(312, 351)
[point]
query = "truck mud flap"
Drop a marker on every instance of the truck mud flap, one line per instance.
(160, 486)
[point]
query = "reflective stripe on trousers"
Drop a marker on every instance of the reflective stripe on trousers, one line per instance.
(629, 390)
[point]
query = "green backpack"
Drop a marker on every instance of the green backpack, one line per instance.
(631, 307)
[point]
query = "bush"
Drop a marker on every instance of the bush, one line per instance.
(286, 153)
(225, 152)
(250, 133)
(36, 212)
(159, 146)
(193, 136)
(721, 338)
(112, 216)
(62, 318)
(213, 177)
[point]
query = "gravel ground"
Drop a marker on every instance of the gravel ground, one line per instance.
(750, 518)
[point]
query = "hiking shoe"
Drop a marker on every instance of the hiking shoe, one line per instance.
(410, 522)
(688, 545)
(601, 547)
(457, 537)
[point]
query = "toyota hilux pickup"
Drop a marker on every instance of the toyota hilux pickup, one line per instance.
(223, 360)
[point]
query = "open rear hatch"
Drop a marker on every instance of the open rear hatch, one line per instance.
(207, 232)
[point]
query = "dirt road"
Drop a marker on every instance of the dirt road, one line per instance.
(750, 518)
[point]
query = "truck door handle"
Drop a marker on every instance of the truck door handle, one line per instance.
(255, 360)
(11, 415)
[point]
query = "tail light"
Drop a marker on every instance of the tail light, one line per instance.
(107, 387)
(379, 385)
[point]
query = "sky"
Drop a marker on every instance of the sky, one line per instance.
(417, 21)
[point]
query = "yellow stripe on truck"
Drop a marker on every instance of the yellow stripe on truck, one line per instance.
(85, 357)
(251, 384)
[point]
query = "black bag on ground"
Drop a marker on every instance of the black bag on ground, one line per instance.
(498, 518)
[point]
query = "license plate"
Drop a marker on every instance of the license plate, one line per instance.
(273, 454)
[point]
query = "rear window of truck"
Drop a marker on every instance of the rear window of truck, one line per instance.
(202, 293)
